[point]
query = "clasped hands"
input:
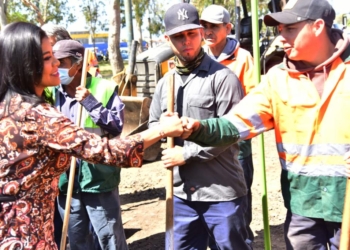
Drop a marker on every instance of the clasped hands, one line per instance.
(178, 127)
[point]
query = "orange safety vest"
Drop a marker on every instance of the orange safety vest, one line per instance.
(312, 135)
(241, 63)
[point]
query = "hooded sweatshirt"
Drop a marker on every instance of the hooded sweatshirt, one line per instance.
(240, 62)
(319, 74)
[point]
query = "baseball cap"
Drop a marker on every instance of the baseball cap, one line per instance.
(181, 17)
(215, 14)
(300, 10)
(67, 48)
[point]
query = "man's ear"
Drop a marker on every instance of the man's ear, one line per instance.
(229, 27)
(318, 26)
(80, 65)
(201, 31)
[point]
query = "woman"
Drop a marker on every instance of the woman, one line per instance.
(36, 141)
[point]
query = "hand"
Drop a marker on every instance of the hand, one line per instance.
(171, 125)
(173, 157)
(81, 93)
(163, 118)
(189, 125)
(347, 161)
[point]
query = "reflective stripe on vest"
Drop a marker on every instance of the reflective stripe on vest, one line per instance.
(313, 160)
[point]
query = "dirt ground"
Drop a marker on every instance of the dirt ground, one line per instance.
(142, 193)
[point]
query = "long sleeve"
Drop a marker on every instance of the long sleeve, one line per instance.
(58, 133)
(109, 118)
(228, 93)
(215, 132)
(252, 116)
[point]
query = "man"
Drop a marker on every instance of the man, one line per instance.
(95, 196)
(56, 33)
(306, 100)
(209, 187)
(215, 20)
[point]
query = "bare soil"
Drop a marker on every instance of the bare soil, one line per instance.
(142, 193)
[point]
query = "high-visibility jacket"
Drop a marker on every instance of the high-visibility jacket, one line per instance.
(312, 134)
(93, 178)
(240, 61)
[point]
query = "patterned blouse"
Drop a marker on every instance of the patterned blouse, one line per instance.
(36, 144)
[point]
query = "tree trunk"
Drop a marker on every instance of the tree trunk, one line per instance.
(139, 37)
(3, 19)
(114, 55)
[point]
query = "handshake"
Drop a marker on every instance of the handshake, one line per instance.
(173, 126)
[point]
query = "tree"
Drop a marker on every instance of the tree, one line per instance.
(230, 6)
(94, 15)
(114, 55)
(38, 11)
(156, 12)
(140, 7)
(3, 10)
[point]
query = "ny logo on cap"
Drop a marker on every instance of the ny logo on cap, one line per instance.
(182, 14)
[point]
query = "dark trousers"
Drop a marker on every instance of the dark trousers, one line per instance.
(248, 169)
(195, 222)
(310, 233)
(58, 224)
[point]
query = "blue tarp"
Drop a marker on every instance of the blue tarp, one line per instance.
(102, 47)
(125, 44)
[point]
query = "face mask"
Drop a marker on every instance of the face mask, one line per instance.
(64, 76)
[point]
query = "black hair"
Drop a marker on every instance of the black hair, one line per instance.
(21, 63)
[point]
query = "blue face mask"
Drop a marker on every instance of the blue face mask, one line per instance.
(64, 76)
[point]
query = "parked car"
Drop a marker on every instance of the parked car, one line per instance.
(125, 53)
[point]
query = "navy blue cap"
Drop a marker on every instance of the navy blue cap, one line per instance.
(181, 17)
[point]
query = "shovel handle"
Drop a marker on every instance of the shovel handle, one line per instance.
(73, 162)
(345, 228)
(169, 219)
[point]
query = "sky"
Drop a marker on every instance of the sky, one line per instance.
(340, 6)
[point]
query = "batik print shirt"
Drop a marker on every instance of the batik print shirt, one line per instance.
(36, 144)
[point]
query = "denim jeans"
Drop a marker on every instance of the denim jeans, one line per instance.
(311, 233)
(104, 213)
(248, 169)
(196, 221)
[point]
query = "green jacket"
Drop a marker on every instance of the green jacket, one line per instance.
(92, 178)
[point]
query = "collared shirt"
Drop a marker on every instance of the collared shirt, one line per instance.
(109, 118)
(210, 174)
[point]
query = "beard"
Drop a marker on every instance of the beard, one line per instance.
(186, 59)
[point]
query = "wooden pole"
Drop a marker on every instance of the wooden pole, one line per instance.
(345, 228)
(73, 161)
(169, 219)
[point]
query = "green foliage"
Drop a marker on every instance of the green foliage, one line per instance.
(122, 16)
(139, 9)
(156, 14)
(230, 6)
(39, 11)
(94, 14)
